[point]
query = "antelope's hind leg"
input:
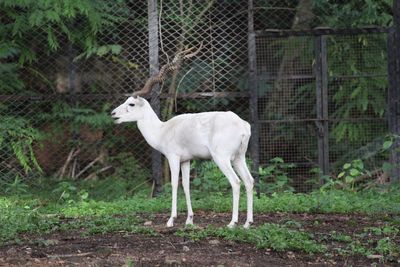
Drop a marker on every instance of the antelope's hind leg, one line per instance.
(225, 166)
(244, 173)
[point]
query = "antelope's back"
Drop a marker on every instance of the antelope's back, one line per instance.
(195, 134)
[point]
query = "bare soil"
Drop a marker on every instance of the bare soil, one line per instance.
(118, 249)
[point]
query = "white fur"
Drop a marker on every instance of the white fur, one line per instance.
(222, 136)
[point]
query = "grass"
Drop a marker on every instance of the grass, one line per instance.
(39, 214)
(269, 235)
(370, 202)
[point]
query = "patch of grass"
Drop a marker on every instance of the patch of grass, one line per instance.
(108, 224)
(19, 217)
(332, 202)
(388, 248)
(274, 236)
(374, 242)
(340, 237)
(384, 230)
(38, 214)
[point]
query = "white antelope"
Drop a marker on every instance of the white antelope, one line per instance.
(221, 136)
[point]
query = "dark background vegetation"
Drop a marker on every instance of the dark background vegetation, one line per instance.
(65, 64)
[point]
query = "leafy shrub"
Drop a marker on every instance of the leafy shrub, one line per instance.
(16, 137)
(129, 178)
(16, 187)
(209, 178)
(68, 192)
(274, 178)
(351, 171)
(78, 116)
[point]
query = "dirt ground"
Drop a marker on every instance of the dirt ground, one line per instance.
(118, 249)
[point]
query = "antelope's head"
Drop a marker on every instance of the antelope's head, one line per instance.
(134, 108)
(131, 110)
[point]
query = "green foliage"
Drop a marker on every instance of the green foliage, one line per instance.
(364, 96)
(129, 168)
(374, 242)
(354, 13)
(16, 187)
(274, 178)
(209, 178)
(385, 230)
(16, 137)
(387, 247)
(107, 224)
(129, 262)
(78, 116)
(18, 217)
(49, 18)
(340, 237)
(69, 193)
(9, 80)
(28, 213)
(351, 171)
(277, 237)
(50, 23)
(333, 201)
(128, 179)
(100, 51)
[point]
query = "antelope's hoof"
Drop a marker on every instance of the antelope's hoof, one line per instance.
(232, 225)
(247, 224)
(189, 220)
(170, 222)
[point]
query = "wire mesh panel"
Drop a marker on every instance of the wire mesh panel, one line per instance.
(72, 89)
(72, 71)
(286, 85)
(309, 14)
(221, 28)
(358, 85)
(288, 78)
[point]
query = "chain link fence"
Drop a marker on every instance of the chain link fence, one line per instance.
(68, 94)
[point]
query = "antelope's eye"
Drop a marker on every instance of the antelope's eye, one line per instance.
(132, 105)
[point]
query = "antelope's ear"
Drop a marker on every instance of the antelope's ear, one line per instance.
(140, 101)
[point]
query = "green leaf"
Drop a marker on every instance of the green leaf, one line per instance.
(116, 49)
(346, 166)
(358, 164)
(387, 144)
(102, 50)
(84, 195)
(341, 174)
(52, 40)
(354, 172)
(52, 16)
(277, 160)
(349, 179)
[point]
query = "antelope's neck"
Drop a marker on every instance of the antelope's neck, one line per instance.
(151, 128)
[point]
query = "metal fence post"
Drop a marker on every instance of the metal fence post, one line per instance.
(254, 141)
(156, 165)
(321, 72)
(394, 99)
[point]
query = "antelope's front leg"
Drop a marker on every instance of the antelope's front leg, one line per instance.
(185, 167)
(174, 166)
